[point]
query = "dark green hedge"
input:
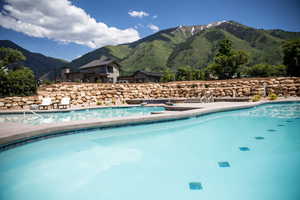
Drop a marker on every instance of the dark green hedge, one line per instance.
(20, 82)
(266, 70)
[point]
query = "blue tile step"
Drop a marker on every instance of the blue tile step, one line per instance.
(195, 186)
(259, 138)
(224, 164)
(244, 148)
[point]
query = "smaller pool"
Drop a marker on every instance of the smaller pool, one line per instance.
(95, 113)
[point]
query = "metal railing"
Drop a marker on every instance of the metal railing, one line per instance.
(38, 115)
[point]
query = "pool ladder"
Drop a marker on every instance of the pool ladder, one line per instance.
(40, 116)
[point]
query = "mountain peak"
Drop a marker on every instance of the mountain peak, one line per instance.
(197, 28)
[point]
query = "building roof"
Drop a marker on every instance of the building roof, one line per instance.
(156, 74)
(97, 63)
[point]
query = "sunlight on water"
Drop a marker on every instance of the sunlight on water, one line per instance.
(275, 111)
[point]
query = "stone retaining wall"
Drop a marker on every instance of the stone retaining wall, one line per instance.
(105, 94)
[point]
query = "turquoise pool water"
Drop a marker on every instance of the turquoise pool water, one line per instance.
(101, 113)
(251, 154)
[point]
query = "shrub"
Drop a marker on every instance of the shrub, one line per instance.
(266, 70)
(99, 103)
(20, 82)
(184, 73)
(292, 56)
(272, 96)
(256, 98)
(113, 101)
(168, 75)
(188, 73)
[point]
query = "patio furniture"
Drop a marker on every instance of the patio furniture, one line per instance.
(210, 99)
(64, 103)
(33, 107)
(231, 99)
(46, 102)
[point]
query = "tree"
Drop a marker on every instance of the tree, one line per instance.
(188, 73)
(225, 48)
(291, 58)
(20, 82)
(227, 61)
(199, 74)
(168, 75)
(10, 56)
(266, 70)
(184, 73)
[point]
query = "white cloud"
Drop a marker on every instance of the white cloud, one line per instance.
(154, 16)
(61, 21)
(153, 27)
(139, 14)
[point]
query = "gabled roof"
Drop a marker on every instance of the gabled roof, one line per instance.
(156, 74)
(97, 63)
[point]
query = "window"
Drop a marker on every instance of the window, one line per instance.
(110, 69)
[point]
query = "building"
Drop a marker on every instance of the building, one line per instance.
(141, 77)
(104, 71)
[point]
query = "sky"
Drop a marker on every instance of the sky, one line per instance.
(68, 29)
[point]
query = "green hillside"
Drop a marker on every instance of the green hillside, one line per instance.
(192, 46)
(40, 64)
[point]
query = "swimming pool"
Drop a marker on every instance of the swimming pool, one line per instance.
(246, 154)
(101, 113)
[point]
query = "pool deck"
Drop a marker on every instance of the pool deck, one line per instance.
(13, 132)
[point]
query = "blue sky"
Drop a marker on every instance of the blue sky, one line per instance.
(68, 29)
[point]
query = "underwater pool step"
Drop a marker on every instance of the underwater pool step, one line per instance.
(224, 164)
(244, 148)
(259, 138)
(195, 186)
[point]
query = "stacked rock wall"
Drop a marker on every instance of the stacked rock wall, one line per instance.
(104, 94)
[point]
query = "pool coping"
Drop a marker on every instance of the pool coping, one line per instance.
(30, 132)
(66, 110)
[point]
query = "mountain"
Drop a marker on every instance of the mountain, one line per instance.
(42, 66)
(192, 45)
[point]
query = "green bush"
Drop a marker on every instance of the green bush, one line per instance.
(266, 70)
(188, 73)
(291, 58)
(20, 82)
(256, 98)
(168, 75)
(272, 96)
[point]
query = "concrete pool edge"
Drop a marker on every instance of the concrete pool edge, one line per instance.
(46, 130)
(66, 110)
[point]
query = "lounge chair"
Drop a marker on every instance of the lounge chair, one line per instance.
(46, 102)
(210, 99)
(64, 103)
(203, 99)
